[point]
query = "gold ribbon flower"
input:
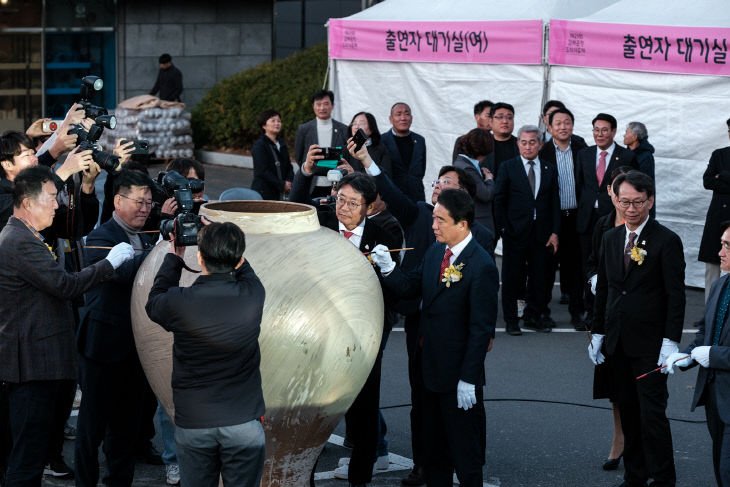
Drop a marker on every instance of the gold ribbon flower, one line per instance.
(638, 254)
(452, 274)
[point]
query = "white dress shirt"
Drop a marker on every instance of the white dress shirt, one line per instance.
(458, 248)
(537, 172)
(637, 232)
(356, 236)
(609, 152)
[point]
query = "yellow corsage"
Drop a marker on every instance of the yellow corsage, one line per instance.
(51, 251)
(638, 254)
(452, 274)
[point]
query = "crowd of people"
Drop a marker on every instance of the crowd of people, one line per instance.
(556, 203)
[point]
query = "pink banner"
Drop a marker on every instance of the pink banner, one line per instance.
(513, 42)
(669, 49)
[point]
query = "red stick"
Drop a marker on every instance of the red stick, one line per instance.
(659, 368)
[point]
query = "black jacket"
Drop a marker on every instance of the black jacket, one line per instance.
(6, 201)
(717, 180)
(271, 167)
(169, 84)
(105, 330)
(215, 366)
(639, 307)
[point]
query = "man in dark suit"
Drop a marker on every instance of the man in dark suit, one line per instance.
(505, 144)
(407, 152)
(527, 215)
(111, 376)
(594, 163)
(711, 349)
(561, 152)
(356, 194)
(416, 218)
(639, 311)
(322, 130)
(717, 180)
(36, 320)
(458, 282)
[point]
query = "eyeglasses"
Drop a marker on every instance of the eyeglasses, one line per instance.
(504, 117)
(636, 204)
(353, 205)
(444, 182)
(604, 131)
(140, 203)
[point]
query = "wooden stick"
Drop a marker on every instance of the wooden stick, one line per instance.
(391, 250)
(660, 368)
(101, 247)
(149, 231)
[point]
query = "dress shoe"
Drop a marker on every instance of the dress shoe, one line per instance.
(549, 321)
(540, 326)
(513, 329)
(626, 483)
(564, 299)
(347, 442)
(415, 477)
(612, 464)
(578, 323)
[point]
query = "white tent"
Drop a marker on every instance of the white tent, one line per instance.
(685, 114)
(442, 96)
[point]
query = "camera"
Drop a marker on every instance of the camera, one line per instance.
(332, 156)
(89, 86)
(334, 175)
(88, 141)
(186, 224)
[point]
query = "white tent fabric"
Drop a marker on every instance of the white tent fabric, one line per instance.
(684, 114)
(442, 96)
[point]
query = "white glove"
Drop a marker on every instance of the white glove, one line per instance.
(465, 395)
(702, 355)
(119, 254)
(677, 359)
(593, 280)
(668, 347)
(594, 349)
(381, 258)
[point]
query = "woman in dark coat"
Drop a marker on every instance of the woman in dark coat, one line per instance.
(378, 152)
(272, 169)
(474, 146)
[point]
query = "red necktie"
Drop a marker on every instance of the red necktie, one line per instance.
(445, 263)
(347, 234)
(627, 250)
(601, 169)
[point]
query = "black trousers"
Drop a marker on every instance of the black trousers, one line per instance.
(454, 439)
(648, 449)
(64, 403)
(110, 411)
(6, 442)
(517, 256)
(31, 409)
(363, 420)
(570, 262)
(586, 247)
(720, 434)
(415, 377)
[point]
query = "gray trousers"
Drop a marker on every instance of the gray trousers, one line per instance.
(235, 452)
(712, 274)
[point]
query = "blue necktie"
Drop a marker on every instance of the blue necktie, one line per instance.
(721, 314)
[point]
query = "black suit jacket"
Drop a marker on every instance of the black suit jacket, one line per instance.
(105, 330)
(458, 321)
(587, 183)
(547, 153)
(645, 304)
(515, 205)
(407, 175)
(719, 354)
(268, 179)
(717, 180)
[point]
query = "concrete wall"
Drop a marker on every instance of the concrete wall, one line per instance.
(208, 41)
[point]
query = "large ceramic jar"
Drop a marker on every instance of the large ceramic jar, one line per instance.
(320, 333)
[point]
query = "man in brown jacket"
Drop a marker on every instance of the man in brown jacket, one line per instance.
(36, 320)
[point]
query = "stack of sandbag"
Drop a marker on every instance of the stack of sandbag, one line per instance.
(165, 124)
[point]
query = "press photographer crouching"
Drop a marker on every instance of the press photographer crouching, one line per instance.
(216, 383)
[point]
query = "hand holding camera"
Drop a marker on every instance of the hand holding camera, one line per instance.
(36, 128)
(123, 149)
(78, 160)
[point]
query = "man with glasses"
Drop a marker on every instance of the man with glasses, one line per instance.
(527, 215)
(416, 219)
(595, 164)
(110, 375)
(638, 317)
(505, 144)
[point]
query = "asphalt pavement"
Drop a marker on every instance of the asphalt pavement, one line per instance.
(543, 427)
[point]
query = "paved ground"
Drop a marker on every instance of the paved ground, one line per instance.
(543, 427)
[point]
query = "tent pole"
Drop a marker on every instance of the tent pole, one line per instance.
(546, 75)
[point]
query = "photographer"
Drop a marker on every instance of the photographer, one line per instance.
(111, 376)
(216, 381)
